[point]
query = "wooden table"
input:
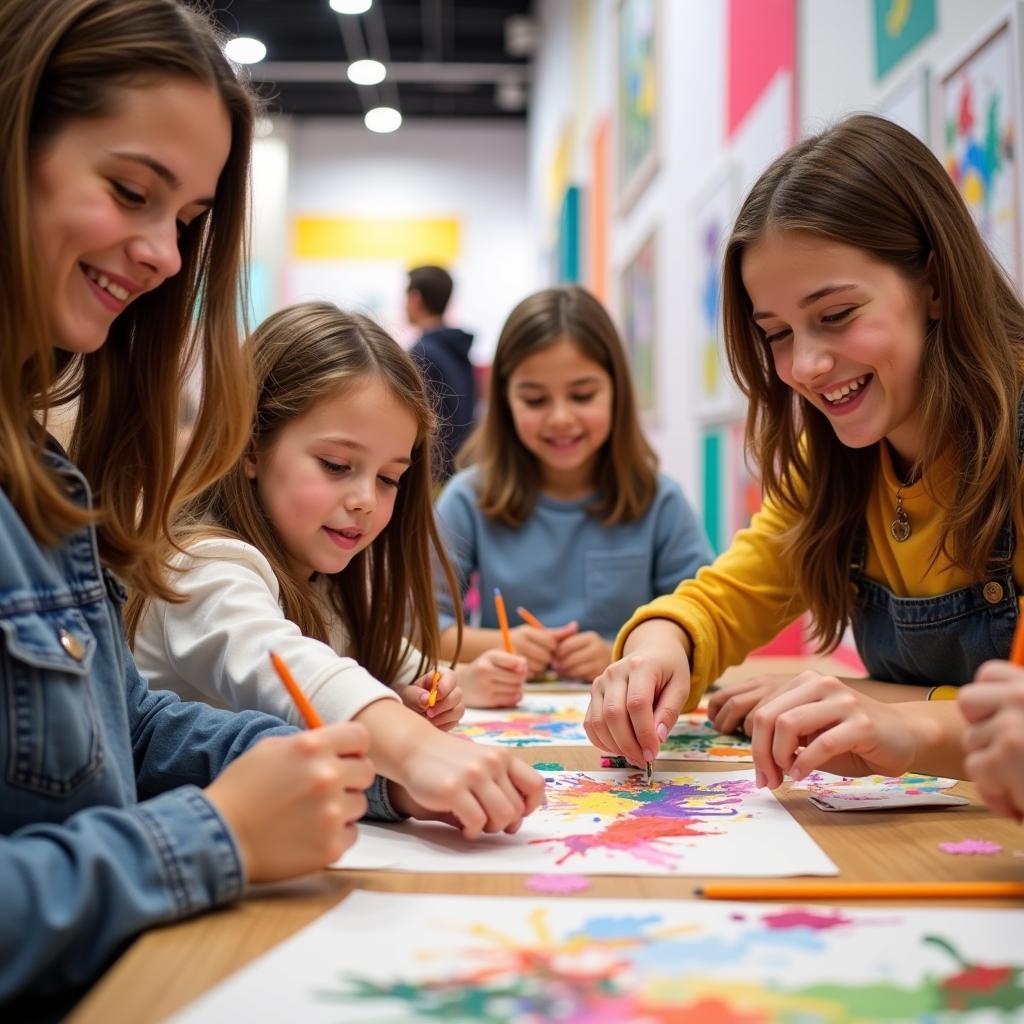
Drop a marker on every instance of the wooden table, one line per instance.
(167, 968)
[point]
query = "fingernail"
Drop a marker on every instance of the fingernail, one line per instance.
(424, 698)
(648, 756)
(662, 732)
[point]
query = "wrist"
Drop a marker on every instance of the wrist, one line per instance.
(660, 633)
(395, 733)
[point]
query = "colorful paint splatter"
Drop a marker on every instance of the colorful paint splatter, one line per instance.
(536, 722)
(390, 957)
(615, 823)
(910, 784)
(694, 738)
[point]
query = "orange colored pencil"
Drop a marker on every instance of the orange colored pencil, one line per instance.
(308, 712)
(797, 891)
(529, 618)
(1017, 652)
(499, 607)
(433, 688)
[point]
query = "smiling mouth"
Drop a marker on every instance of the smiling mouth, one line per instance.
(347, 538)
(101, 280)
(847, 392)
(562, 442)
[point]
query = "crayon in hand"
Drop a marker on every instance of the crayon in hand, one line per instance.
(499, 607)
(308, 712)
(433, 689)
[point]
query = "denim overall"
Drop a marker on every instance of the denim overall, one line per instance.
(927, 641)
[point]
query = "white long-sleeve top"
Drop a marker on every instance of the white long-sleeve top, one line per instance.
(215, 646)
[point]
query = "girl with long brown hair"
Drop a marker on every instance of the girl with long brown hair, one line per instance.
(318, 544)
(122, 211)
(563, 507)
(880, 346)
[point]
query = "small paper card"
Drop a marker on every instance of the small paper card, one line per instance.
(864, 801)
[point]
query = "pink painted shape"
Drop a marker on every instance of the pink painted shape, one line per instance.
(557, 883)
(762, 42)
(967, 847)
(819, 921)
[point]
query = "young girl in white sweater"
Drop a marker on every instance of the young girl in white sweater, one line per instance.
(318, 545)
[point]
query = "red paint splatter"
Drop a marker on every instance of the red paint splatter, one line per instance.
(978, 979)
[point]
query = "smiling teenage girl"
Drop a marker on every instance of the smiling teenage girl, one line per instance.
(880, 346)
(122, 202)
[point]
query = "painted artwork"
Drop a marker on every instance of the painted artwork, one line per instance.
(615, 823)
(712, 214)
(536, 721)
(637, 98)
(900, 27)
(694, 738)
(978, 141)
(557, 721)
(387, 957)
(911, 783)
(639, 321)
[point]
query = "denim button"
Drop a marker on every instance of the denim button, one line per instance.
(72, 645)
(993, 592)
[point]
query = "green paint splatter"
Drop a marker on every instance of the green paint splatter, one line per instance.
(548, 766)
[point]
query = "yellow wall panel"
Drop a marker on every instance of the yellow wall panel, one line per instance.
(413, 240)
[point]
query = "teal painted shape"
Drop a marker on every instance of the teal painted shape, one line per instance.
(569, 237)
(713, 488)
(900, 25)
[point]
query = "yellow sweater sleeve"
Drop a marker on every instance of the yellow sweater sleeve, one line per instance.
(735, 605)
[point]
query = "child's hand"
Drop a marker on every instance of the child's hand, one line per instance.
(731, 707)
(494, 680)
(993, 741)
(292, 801)
(476, 788)
(582, 656)
(636, 701)
(821, 723)
(449, 706)
(537, 646)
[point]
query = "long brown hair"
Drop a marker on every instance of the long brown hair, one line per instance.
(870, 184)
(68, 59)
(509, 478)
(301, 355)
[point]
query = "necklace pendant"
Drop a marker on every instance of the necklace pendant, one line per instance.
(900, 526)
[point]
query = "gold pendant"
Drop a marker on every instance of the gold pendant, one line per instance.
(900, 526)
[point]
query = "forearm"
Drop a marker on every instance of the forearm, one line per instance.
(73, 894)
(937, 728)
(395, 734)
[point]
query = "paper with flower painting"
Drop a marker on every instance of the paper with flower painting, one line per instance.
(614, 823)
(379, 958)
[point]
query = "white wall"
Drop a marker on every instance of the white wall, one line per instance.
(835, 75)
(472, 171)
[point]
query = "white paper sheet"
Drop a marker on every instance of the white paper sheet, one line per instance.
(612, 823)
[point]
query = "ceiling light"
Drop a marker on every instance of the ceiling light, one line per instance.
(383, 119)
(245, 50)
(350, 6)
(366, 72)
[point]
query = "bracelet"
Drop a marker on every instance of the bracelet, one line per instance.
(942, 693)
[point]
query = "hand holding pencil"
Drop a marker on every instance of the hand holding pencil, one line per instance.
(283, 816)
(437, 697)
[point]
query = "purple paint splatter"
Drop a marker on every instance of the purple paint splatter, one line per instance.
(559, 884)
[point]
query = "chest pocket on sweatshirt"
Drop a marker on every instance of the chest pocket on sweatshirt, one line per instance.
(616, 582)
(53, 741)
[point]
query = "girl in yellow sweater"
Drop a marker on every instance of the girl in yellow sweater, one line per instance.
(879, 344)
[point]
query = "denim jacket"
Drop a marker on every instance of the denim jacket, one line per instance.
(104, 829)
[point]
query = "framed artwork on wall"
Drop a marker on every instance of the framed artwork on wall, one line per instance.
(639, 321)
(711, 216)
(637, 98)
(977, 134)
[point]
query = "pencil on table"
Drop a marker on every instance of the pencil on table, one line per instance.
(433, 688)
(499, 607)
(308, 712)
(797, 891)
(529, 618)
